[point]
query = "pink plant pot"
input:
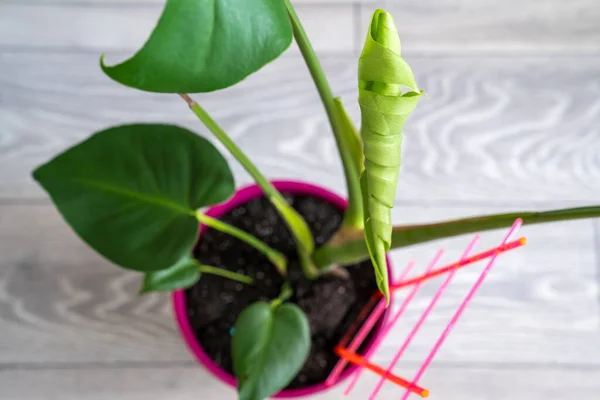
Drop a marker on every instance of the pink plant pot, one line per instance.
(241, 197)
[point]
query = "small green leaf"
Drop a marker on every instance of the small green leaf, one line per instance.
(182, 275)
(131, 191)
(206, 45)
(269, 347)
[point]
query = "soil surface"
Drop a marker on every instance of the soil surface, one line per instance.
(330, 303)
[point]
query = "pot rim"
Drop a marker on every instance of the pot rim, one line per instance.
(242, 196)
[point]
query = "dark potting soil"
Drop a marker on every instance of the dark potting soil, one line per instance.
(331, 303)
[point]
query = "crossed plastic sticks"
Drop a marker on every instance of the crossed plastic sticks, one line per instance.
(372, 312)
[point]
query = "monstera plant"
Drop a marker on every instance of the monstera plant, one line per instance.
(262, 284)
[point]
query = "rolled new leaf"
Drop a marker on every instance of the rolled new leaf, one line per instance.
(388, 93)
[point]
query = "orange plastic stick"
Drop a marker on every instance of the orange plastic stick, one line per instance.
(437, 272)
(424, 316)
(516, 225)
(388, 326)
(477, 257)
(371, 312)
(360, 361)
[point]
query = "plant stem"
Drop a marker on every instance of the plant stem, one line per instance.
(353, 136)
(286, 293)
(353, 216)
(294, 221)
(354, 249)
(273, 255)
(207, 269)
(233, 148)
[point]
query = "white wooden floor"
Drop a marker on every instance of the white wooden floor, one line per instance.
(512, 122)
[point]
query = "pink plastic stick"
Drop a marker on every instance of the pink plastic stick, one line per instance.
(364, 331)
(517, 224)
(424, 316)
(396, 317)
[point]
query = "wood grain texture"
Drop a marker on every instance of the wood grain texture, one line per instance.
(192, 383)
(431, 26)
(104, 27)
(523, 131)
(497, 134)
(536, 300)
(121, 3)
(62, 303)
(494, 27)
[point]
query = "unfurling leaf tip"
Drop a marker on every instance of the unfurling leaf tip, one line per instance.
(383, 285)
(105, 68)
(102, 65)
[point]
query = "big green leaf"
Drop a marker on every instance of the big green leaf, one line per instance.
(206, 45)
(269, 348)
(131, 191)
(182, 275)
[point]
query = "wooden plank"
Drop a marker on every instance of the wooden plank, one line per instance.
(193, 382)
(122, 3)
(493, 130)
(62, 303)
(61, 300)
(105, 27)
(493, 27)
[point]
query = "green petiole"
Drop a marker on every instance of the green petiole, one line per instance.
(353, 136)
(353, 248)
(294, 221)
(341, 126)
(273, 255)
(286, 293)
(207, 269)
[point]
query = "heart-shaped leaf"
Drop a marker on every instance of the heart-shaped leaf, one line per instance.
(131, 191)
(206, 45)
(182, 275)
(269, 347)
